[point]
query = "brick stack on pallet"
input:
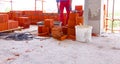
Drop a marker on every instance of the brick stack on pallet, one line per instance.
(49, 29)
(71, 26)
(61, 33)
(45, 30)
(3, 22)
(12, 24)
(57, 33)
(79, 19)
(14, 15)
(24, 22)
(35, 16)
(79, 9)
(6, 24)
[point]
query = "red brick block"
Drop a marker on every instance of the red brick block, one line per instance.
(79, 20)
(56, 32)
(3, 26)
(26, 26)
(64, 30)
(12, 24)
(63, 37)
(79, 7)
(4, 18)
(40, 29)
(45, 16)
(43, 31)
(45, 34)
(80, 12)
(49, 23)
(71, 31)
(71, 24)
(15, 15)
(72, 16)
(24, 22)
(72, 20)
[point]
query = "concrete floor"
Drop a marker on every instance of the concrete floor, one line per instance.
(101, 50)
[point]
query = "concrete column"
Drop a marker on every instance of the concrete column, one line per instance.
(93, 15)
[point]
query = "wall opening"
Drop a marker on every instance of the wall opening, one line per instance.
(112, 16)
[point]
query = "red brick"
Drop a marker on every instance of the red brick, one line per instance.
(56, 32)
(24, 22)
(64, 30)
(72, 20)
(4, 18)
(71, 31)
(72, 16)
(71, 24)
(45, 29)
(12, 24)
(40, 29)
(3, 26)
(63, 37)
(78, 7)
(45, 34)
(49, 23)
(79, 20)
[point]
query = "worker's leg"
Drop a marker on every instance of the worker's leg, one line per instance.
(67, 6)
(61, 13)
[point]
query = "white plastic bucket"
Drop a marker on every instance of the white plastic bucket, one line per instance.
(83, 33)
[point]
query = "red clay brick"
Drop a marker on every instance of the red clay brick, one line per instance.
(63, 37)
(3, 26)
(12, 24)
(64, 30)
(45, 34)
(40, 29)
(24, 22)
(49, 23)
(4, 18)
(56, 32)
(71, 31)
(78, 7)
(79, 20)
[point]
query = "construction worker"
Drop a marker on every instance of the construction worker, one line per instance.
(64, 4)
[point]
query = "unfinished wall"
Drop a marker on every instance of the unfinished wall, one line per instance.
(93, 15)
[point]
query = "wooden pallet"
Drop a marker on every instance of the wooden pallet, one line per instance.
(12, 30)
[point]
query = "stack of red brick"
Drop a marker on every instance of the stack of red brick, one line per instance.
(45, 30)
(79, 9)
(50, 29)
(59, 32)
(34, 16)
(12, 24)
(24, 22)
(71, 26)
(3, 22)
(6, 24)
